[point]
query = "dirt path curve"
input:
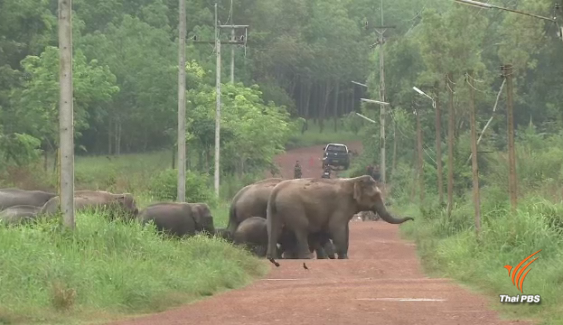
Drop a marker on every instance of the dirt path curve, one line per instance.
(381, 283)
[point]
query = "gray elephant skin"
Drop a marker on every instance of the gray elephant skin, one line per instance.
(311, 205)
(250, 201)
(122, 204)
(10, 197)
(19, 214)
(253, 234)
(179, 218)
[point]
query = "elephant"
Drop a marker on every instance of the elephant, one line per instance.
(310, 205)
(250, 201)
(122, 204)
(223, 233)
(19, 214)
(179, 218)
(253, 233)
(10, 197)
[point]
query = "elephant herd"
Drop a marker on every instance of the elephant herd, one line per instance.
(292, 218)
(19, 206)
(276, 218)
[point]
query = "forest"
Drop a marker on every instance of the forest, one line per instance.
(292, 88)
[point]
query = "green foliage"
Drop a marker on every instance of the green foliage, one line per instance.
(449, 247)
(164, 186)
(116, 267)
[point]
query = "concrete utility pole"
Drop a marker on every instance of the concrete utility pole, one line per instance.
(451, 138)
(438, 126)
(66, 119)
(218, 43)
(512, 181)
(382, 112)
(182, 102)
(218, 107)
(474, 164)
(420, 160)
(232, 47)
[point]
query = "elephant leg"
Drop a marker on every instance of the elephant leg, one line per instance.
(321, 253)
(339, 234)
(329, 249)
(302, 244)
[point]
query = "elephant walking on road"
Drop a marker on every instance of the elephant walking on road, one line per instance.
(253, 233)
(250, 201)
(309, 205)
(179, 218)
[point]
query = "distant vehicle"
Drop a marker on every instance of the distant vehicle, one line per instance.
(336, 154)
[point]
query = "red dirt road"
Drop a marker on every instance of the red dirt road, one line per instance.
(374, 286)
(382, 283)
(309, 158)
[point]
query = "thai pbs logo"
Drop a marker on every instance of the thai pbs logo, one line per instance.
(515, 273)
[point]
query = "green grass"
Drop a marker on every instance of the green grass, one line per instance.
(449, 248)
(313, 136)
(105, 269)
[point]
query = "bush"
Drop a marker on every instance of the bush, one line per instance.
(164, 186)
(111, 267)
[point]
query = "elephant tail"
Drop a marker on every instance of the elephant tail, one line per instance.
(274, 227)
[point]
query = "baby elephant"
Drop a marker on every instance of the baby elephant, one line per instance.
(179, 218)
(18, 214)
(253, 234)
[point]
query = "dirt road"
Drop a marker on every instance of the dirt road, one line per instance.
(382, 283)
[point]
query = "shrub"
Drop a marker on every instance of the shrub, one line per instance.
(164, 186)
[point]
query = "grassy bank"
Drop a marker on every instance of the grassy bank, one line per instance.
(448, 247)
(111, 269)
(105, 269)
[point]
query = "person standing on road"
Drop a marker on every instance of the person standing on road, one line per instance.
(326, 172)
(297, 170)
(369, 170)
(376, 174)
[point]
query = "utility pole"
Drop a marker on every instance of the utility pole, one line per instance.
(382, 112)
(218, 107)
(420, 160)
(438, 127)
(182, 102)
(66, 119)
(451, 137)
(232, 47)
(474, 164)
(242, 41)
(512, 182)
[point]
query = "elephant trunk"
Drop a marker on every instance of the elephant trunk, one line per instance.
(380, 209)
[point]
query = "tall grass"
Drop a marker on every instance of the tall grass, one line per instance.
(449, 246)
(110, 268)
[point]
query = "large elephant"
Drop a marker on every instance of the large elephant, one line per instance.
(19, 214)
(179, 218)
(250, 201)
(310, 205)
(117, 204)
(10, 197)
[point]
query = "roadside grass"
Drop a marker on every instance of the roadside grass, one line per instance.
(110, 268)
(313, 136)
(449, 248)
